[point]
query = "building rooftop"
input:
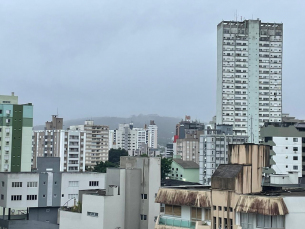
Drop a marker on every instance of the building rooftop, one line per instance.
(186, 164)
(172, 182)
(227, 171)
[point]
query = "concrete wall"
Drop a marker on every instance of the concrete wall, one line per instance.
(83, 184)
(133, 198)
(296, 210)
(26, 224)
(46, 214)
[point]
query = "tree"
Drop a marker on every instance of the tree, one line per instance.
(102, 166)
(115, 154)
(166, 165)
(144, 155)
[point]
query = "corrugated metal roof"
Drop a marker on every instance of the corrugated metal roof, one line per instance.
(265, 205)
(184, 197)
(186, 164)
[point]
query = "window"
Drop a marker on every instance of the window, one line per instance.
(295, 167)
(93, 183)
(219, 222)
(219, 208)
(295, 139)
(44, 196)
(143, 217)
(16, 197)
(267, 221)
(92, 214)
(172, 210)
(295, 148)
(2, 197)
(74, 183)
(72, 196)
(246, 220)
(214, 208)
(143, 196)
(32, 184)
(31, 197)
(2, 183)
(196, 214)
(207, 214)
(295, 158)
(16, 184)
(48, 210)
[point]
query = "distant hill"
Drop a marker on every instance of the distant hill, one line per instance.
(166, 125)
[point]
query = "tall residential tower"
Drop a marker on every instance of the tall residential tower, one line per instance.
(16, 125)
(249, 75)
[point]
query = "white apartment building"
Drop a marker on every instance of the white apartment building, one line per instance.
(152, 130)
(97, 142)
(249, 75)
(127, 201)
(287, 146)
(69, 145)
(133, 138)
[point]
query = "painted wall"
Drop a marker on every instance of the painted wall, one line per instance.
(83, 184)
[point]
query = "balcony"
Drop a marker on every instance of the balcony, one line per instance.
(175, 222)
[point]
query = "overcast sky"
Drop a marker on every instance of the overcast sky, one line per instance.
(123, 57)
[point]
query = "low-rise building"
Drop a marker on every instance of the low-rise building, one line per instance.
(127, 201)
(236, 198)
(184, 170)
(32, 199)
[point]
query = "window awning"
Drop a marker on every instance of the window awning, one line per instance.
(184, 197)
(265, 205)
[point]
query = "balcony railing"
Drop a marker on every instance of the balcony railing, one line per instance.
(176, 222)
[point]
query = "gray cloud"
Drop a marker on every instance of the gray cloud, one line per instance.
(123, 57)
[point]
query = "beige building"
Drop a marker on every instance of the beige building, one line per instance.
(188, 147)
(97, 142)
(236, 199)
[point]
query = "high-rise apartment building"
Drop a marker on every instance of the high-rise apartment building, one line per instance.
(130, 138)
(69, 145)
(16, 125)
(249, 75)
(214, 145)
(97, 142)
(153, 134)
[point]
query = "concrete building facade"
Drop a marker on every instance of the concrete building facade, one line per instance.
(131, 139)
(69, 145)
(236, 198)
(214, 145)
(16, 123)
(128, 200)
(184, 171)
(287, 145)
(97, 142)
(34, 198)
(249, 75)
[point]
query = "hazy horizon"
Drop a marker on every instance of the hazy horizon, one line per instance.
(101, 58)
